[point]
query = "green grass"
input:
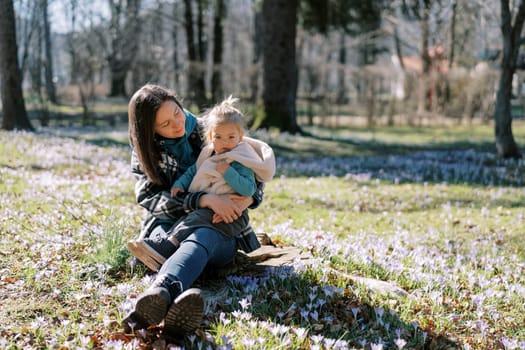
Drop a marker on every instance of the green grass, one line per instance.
(344, 207)
(364, 141)
(455, 244)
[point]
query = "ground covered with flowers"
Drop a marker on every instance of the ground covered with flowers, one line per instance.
(445, 222)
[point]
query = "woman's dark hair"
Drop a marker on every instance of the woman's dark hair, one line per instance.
(142, 109)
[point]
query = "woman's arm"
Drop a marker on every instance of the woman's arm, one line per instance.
(157, 200)
(221, 204)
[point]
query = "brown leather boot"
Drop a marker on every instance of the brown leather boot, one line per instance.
(152, 305)
(185, 313)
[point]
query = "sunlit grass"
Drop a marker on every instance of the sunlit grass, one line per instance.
(445, 223)
(429, 136)
(110, 249)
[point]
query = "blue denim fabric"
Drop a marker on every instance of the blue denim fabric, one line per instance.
(204, 247)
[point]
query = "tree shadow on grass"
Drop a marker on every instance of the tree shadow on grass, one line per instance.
(358, 146)
(386, 204)
(286, 302)
(263, 296)
(454, 166)
(98, 136)
(294, 309)
(460, 162)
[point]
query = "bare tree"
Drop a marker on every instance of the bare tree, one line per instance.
(83, 47)
(280, 76)
(177, 66)
(152, 62)
(14, 110)
(421, 11)
(341, 88)
(452, 53)
(425, 56)
(280, 69)
(512, 39)
(27, 25)
(124, 40)
(48, 62)
(38, 53)
(196, 45)
(254, 75)
(216, 83)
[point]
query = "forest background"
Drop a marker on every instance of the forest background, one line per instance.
(293, 62)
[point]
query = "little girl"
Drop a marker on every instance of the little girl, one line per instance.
(229, 163)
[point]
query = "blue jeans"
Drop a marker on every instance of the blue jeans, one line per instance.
(204, 247)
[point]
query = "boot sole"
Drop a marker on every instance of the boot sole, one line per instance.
(185, 313)
(151, 309)
(146, 254)
(132, 322)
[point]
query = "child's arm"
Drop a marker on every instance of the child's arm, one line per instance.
(239, 177)
(183, 182)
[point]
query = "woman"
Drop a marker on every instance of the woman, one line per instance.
(231, 162)
(166, 141)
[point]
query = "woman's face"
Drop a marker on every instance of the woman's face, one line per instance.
(170, 120)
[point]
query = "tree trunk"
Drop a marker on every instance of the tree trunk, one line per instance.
(73, 65)
(452, 53)
(505, 144)
(48, 65)
(424, 101)
(14, 110)
(216, 81)
(118, 81)
(37, 64)
(257, 52)
(125, 29)
(175, 36)
(280, 69)
(398, 46)
(341, 86)
(196, 81)
(25, 32)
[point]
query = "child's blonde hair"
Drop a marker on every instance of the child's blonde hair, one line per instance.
(221, 113)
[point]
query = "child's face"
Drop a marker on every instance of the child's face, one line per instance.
(170, 120)
(225, 136)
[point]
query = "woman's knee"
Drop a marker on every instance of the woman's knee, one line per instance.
(205, 237)
(220, 249)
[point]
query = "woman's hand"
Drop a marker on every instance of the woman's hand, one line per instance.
(242, 202)
(225, 208)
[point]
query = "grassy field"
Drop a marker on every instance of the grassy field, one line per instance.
(432, 210)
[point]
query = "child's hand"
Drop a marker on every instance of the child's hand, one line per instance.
(176, 190)
(222, 166)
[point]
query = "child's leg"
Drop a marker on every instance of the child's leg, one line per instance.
(204, 218)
